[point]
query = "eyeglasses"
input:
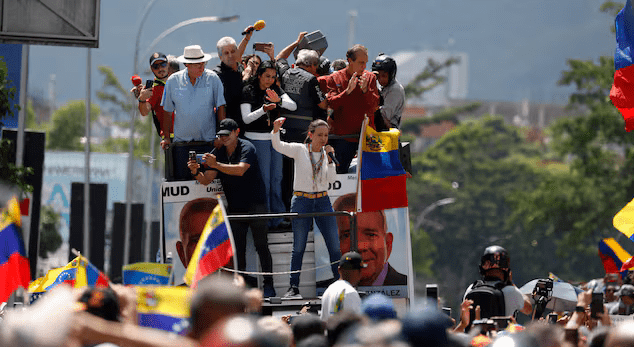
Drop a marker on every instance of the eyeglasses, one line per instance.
(158, 65)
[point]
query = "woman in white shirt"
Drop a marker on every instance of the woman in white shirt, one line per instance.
(314, 171)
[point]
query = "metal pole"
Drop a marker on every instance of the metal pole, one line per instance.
(24, 77)
(86, 250)
(351, 26)
(148, 200)
(128, 190)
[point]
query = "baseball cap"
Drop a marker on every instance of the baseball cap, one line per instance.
(352, 261)
(627, 290)
(227, 125)
(157, 56)
(378, 307)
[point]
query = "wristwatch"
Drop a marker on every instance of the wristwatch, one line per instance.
(142, 101)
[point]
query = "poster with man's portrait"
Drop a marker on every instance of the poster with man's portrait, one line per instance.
(383, 240)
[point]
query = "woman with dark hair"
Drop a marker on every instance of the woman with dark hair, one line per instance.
(250, 63)
(314, 171)
(261, 103)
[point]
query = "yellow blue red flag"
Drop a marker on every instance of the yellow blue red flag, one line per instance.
(624, 220)
(14, 264)
(147, 274)
(613, 256)
(165, 308)
(214, 249)
(382, 177)
(78, 273)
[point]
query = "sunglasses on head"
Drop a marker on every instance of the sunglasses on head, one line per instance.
(158, 65)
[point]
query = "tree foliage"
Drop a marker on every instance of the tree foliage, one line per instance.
(50, 238)
(68, 125)
(429, 78)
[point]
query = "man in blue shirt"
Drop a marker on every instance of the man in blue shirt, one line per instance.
(196, 97)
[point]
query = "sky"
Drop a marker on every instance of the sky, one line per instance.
(516, 49)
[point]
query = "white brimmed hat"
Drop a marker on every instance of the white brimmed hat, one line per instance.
(193, 54)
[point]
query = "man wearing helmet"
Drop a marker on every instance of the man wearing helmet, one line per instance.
(496, 274)
(392, 99)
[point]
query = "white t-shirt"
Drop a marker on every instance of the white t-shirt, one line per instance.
(513, 299)
(339, 296)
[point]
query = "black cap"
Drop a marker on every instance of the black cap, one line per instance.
(227, 125)
(156, 57)
(352, 261)
(101, 302)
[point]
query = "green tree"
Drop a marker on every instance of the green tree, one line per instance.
(429, 78)
(50, 238)
(481, 164)
(9, 172)
(68, 125)
(579, 205)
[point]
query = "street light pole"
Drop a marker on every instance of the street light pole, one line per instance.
(421, 217)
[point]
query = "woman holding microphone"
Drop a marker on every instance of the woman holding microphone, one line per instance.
(314, 170)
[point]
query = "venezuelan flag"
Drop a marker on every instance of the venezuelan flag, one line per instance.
(381, 174)
(214, 249)
(624, 220)
(622, 92)
(14, 264)
(613, 256)
(165, 308)
(147, 274)
(78, 273)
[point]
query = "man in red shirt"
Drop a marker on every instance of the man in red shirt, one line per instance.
(352, 94)
(150, 98)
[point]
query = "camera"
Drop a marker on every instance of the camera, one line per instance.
(544, 288)
(552, 318)
(485, 325)
(192, 155)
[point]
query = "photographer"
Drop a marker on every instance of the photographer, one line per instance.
(495, 293)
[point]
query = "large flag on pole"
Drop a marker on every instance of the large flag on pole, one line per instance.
(624, 220)
(622, 93)
(214, 249)
(14, 264)
(381, 174)
(613, 256)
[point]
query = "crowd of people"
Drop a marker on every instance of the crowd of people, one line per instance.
(223, 312)
(226, 123)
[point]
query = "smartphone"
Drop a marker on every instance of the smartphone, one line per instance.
(552, 318)
(432, 291)
(149, 84)
(260, 46)
(447, 311)
(572, 336)
(192, 155)
(501, 322)
(596, 305)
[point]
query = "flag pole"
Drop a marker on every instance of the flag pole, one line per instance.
(229, 231)
(358, 206)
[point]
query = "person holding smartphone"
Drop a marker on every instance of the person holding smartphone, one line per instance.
(314, 171)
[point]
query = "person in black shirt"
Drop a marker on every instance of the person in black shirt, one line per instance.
(236, 165)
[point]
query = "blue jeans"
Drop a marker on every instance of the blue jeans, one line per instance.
(270, 163)
(327, 226)
(345, 152)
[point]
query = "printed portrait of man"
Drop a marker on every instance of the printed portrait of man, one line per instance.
(374, 243)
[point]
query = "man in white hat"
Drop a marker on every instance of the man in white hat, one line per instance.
(196, 96)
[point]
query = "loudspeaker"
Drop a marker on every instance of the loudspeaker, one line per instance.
(33, 157)
(118, 238)
(315, 41)
(405, 155)
(98, 206)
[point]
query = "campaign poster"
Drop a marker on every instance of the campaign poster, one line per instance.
(383, 241)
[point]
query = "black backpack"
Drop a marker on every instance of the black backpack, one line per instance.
(488, 295)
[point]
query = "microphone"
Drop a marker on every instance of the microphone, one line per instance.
(259, 25)
(136, 80)
(332, 156)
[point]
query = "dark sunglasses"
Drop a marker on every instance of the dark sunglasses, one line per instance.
(158, 65)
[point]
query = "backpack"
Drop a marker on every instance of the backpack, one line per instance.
(488, 295)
